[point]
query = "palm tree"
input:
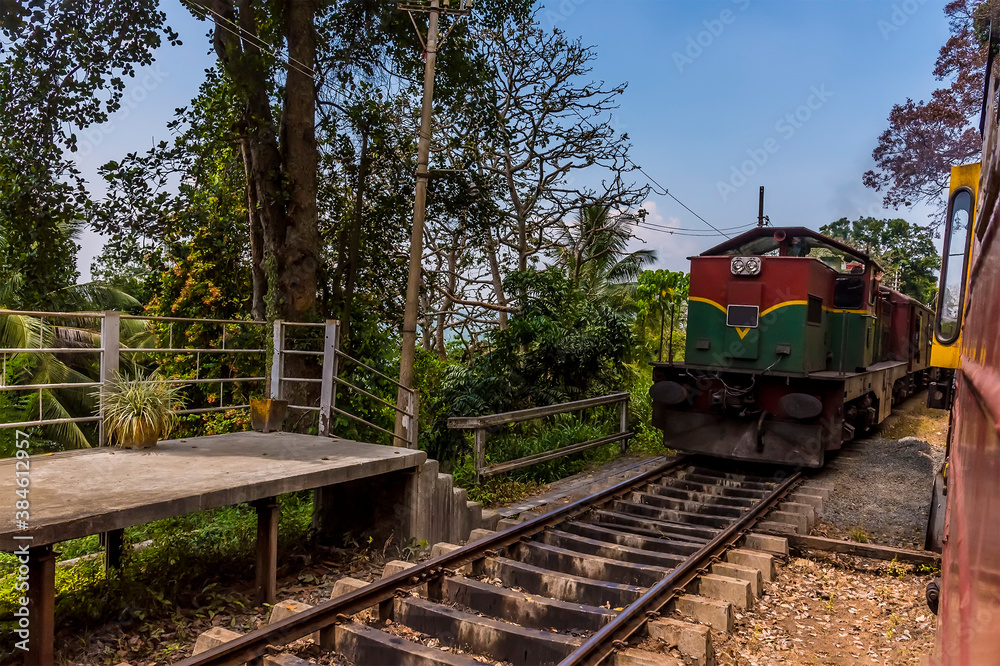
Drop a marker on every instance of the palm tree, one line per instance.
(596, 256)
(22, 331)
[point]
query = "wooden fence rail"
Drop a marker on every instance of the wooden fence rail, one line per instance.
(479, 425)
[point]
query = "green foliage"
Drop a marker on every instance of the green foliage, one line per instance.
(661, 297)
(60, 84)
(139, 408)
(597, 259)
(648, 441)
(525, 439)
(559, 346)
(905, 251)
(173, 579)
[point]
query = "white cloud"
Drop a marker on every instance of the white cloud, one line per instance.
(672, 250)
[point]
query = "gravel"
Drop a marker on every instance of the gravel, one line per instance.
(882, 487)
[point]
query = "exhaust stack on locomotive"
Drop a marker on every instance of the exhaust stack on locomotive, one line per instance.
(792, 347)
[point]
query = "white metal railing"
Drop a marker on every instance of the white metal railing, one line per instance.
(45, 346)
(329, 358)
(107, 342)
(224, 349)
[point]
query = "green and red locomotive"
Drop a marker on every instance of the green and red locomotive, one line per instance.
(793, 346)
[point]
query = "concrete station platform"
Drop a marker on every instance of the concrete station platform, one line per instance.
(104, 490)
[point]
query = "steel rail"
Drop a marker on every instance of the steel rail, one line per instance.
(323, 616)
(208, 410)
(185, 350)
(472, 422)
(45, 387)
(61, 315)
(48, 422)
(51, 350)
(206, 380)
(347, 384)
(602, 644)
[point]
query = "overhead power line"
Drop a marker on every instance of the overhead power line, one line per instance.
(656, 186)
(238, 31)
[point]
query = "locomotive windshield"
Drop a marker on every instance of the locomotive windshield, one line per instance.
(796, 242)
(775, 244)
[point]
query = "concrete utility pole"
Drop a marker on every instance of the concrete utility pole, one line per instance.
(405, 400)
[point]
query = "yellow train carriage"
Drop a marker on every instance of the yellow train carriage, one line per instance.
(958, 235)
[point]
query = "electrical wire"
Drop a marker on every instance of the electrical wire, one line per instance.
(240, 32)
(300, 67)
(682, 231)
(655, 184)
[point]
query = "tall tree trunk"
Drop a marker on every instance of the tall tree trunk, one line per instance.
(258, 310)
(299, 236)
(354, 248)
(452, 285)
(281, 181)
(491, 254)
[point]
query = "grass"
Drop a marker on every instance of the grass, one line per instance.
(526, 439)
(859, 535)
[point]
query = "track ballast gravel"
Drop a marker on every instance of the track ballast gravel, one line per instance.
(883, 487)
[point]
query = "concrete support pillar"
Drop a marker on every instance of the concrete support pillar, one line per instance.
(42, 606)
(113, 544)
(266, 562)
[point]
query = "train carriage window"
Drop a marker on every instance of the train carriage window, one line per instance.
(849, 293)
(951, 290)
(814, 311)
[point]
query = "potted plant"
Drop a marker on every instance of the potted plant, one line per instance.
(139, 411)
(267, 414)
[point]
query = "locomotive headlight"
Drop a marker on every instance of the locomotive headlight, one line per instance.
(744, 265)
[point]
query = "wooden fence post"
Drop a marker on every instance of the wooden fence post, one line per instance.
(623, 422)
(480, 451)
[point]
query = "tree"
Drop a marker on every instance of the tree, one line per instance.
(532, 136)
(279, 155)
(905, 251)
(596, 255)
(658, 294)
(914, 156)
(65, 65)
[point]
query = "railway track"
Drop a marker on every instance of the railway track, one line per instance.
(573, 586)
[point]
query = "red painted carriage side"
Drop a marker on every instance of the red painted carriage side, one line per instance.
(969, 616)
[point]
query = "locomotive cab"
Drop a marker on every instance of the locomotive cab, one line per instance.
(789, 350)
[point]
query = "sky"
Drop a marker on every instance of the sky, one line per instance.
(723, 96)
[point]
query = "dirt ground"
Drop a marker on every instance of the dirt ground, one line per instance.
(834, 610)
(165, 641)
(838, 609)
(914, 419)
